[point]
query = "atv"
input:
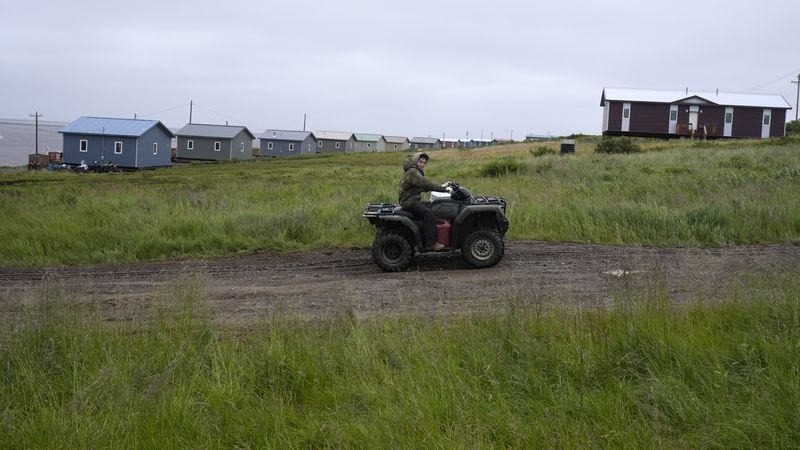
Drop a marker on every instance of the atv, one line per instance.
(476, 225)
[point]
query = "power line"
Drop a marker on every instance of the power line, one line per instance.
(773, 81)
(223, 115)
(166, 110)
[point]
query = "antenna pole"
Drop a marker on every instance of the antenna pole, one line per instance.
(797, 102)
(37, 115)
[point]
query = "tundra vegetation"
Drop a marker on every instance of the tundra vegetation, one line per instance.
(676, 193)
(720, 371)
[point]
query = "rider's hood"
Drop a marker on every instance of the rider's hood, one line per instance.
(413, 159)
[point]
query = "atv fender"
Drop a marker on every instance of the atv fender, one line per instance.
(470, 211)
(407, 223)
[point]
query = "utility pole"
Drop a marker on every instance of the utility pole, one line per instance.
(305, 116)
(191, 104)
(37, 115)
(797, 102)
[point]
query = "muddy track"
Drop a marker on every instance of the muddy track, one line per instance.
(244, 290)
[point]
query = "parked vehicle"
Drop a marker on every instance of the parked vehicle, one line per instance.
(104, 167)
(474, 225)
(80, 168)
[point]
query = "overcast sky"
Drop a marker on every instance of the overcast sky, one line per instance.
(409, 67)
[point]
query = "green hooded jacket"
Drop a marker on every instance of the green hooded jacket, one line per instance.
(414, 183)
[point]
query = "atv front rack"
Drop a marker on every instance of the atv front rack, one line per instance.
(489, 200)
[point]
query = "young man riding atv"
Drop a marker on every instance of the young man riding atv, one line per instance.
(412, 185)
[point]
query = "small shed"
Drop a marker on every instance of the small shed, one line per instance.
(287, 143)
(369, 142)
(394, 143)
(423, 142)
(334, 141)
(128, 143)
(214, 142)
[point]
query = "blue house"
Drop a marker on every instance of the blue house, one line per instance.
(287, 143)
(214, 142)
(129, 143)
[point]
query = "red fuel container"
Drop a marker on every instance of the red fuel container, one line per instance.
(443, 232)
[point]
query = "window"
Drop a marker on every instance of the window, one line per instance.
(369, 145)
(190, 145)
(84, 145)
(217, 146)
(673, 115)
(319, 144)
(269, 145)
(155, 148)
(242, 149)
(338, 144)
(117, 148)
(766, 119)
(395, 146)
(291, 147)
(626, 113)
(416, 145)
(728, 117)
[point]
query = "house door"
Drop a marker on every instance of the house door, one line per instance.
(727, 129)
(766, 120)
(694, 112)
(673, 119)
(626, 116)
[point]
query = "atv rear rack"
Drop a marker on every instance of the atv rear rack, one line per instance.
(377, 209)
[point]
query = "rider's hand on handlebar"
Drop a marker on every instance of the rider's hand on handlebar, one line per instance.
(449, 190)
(447, 184)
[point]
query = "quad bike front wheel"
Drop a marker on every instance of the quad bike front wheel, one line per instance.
(391, 252)
(483, 248)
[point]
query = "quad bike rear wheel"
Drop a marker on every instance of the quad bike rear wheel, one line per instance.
(483, 248)
(391, 252)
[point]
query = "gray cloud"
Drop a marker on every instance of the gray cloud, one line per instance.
(409, 68)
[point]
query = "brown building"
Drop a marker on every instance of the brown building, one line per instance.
(659, 113)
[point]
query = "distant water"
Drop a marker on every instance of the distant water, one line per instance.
(18, 137)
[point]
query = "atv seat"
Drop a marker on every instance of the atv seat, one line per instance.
(402, 212)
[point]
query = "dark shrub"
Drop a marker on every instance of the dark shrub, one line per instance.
(502, 166)
(617, 145)
(542, 150)
(793, 127)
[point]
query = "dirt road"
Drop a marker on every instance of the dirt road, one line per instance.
(243, 290)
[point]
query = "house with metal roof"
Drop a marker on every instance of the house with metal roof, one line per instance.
(502, 141)
(287, 143)
(369, 142)
(214, 142)
(334, 141)
(449, 143)
(394, 143)
(423, 142)
(128, 143)
(663, 113)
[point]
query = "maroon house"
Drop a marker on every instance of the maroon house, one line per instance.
(669, 114)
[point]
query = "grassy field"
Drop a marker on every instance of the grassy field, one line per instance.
(716, 372)
(719, 372)
(676, 193)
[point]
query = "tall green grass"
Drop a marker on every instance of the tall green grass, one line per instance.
(718, 372)
(674, 194)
